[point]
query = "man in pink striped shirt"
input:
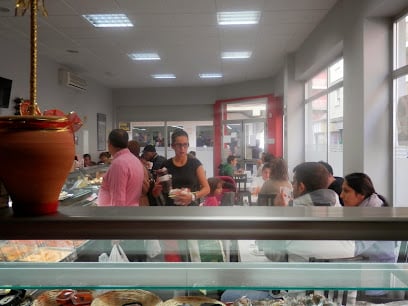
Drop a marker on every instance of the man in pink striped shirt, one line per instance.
(122, 183)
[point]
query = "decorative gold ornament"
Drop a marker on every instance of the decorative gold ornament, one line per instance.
(23, 5)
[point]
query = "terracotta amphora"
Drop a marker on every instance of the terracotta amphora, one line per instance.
(36, 155)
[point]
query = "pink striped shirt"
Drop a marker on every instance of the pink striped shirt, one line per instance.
(122, 183)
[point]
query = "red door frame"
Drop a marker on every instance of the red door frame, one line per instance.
(274, 125)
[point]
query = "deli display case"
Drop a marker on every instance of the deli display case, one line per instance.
(243, 231)
(82, 185)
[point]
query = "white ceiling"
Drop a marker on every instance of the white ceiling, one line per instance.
(183, 32)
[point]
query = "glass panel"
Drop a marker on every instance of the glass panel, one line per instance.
(148, 133)
(316, 85)
(249, 109)
(335, 148)
(205, 264)
(254, 139)
(336, 72)
(400, 43)
(205, 136)
(401, 141)
(316, 129)
(231, 140)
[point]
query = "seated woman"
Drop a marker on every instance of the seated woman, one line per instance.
(278, 178)
(258, 181)
(358, 190)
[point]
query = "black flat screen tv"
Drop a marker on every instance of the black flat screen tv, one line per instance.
(5, 91)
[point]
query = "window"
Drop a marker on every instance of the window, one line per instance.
(324, 117)
(158, 133)
(400, 106)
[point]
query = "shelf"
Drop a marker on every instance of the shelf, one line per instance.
(267, 275)
(273, 223)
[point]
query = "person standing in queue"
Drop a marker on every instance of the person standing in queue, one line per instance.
(122, 183)
(189, 182)
(134, 148)
(149, 154)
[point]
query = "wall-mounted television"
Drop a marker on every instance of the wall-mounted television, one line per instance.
(5, 91)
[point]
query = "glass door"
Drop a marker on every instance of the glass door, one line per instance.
(244, 139)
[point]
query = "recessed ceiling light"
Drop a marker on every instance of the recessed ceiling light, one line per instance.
(236, 55)
(144, 56)
(108, 20)
(233, 18)
(164, 76)
(210, 75)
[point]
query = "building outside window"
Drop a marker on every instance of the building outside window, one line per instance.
(324, 117)
(400, 113)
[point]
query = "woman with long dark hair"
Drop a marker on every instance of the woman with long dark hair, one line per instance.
(358, 190)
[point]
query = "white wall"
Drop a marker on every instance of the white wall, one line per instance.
(14, 65)
(180, 103)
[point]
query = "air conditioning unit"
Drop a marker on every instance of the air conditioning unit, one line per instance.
(72, 80)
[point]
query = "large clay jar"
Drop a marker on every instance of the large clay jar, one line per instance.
(36, 154)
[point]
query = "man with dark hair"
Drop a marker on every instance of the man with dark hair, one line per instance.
(310, 187)
(150, 154)
(335, 182)
(122, 183)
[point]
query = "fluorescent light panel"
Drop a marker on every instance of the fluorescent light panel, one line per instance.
(236, 55)
(108, 20)
(235, 18)
(164, 76)
(144, 56)
(210, 75)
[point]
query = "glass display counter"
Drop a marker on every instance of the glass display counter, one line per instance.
(236, 230)
(82, 186)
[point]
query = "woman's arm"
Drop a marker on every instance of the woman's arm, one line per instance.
(202, 179)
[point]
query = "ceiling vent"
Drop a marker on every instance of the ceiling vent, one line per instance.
(72, 80)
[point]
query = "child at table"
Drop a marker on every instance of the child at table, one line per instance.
(215, 191)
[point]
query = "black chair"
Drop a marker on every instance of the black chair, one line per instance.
(349, 297)
(242, 191)
(265, 199)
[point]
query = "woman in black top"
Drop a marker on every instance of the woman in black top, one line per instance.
(188, 175)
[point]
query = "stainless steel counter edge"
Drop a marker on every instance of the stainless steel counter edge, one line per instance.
(227, 222)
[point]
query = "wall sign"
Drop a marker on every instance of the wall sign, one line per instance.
(101, 131)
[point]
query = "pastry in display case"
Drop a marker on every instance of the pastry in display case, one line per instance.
(40, 250)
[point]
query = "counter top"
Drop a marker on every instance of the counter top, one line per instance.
(224, 222)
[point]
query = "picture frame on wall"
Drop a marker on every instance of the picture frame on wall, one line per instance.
(101, 131)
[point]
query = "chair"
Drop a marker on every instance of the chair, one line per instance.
(347, 297)
(242, 191)
(266, 199)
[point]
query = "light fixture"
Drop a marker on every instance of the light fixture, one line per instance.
(164, 76)
(108, 20)
(235, 18)
(210, 75)
(144, 56)
(236, 55)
